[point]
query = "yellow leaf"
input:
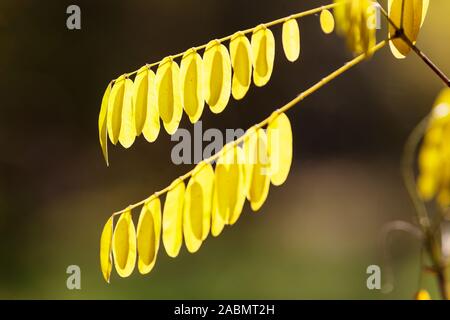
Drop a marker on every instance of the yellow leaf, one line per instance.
(128, 127)
(197, 206)
(105, 249)
(102, 123)
(427, 186)
(144, 101)
(191, 73)
(168, 94)
(291, 39)
(148, 235)
(279, 136)
(423, 295)
(413, 15)
(124, 245)
(173, 218)
(114, 116)
(229, 188)
(220, 209)
(241, 60)
(259, 182)
(237, 173)
(151, 123)
(327, 21)
(217, 87)
(263, 50)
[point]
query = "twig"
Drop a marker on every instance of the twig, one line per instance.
(400, 33)
(263, 123)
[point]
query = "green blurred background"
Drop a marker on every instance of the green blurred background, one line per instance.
(316, 234)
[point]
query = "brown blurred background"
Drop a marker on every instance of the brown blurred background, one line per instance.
(316, 234)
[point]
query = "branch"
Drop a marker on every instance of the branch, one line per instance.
(400, 33)
(263, 123)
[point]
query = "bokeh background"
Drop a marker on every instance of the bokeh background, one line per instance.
(316, 234)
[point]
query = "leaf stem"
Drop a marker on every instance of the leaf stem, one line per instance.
(266, 121)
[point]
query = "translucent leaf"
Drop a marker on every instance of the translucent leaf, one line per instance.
(105, 249)
(128, 127)
(197, 206)
(173, 218)
(114, 115)
(241, 60)
(263, 51)
(291, 39)
(102, 123)
(237, 172)
(220, 208)
(279, 136)
(151, 126)
(217, 87)
(259, 182)
(327, 21)
(191, 72)
(229, 188)
(414, 12)
(145, 110)
(124, 245)
(148, 235)
(168, 94)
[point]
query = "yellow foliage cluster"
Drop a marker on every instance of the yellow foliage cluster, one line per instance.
(211, 199)
(434, 155)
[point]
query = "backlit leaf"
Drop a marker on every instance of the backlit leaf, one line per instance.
(259, 182)
(128, 126)
(173, 218)
(105, 249)
(229, 188)
(191, 73)
(197, 206)
(102, 123)
(145, 109)
(241, 60)
(114, 115)
(148, 235)
(327, 21)
(124, 245)
(168, 94)
(217, 66)
(414, 12)
(291, 39)
(263, 51)
(279, 136)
